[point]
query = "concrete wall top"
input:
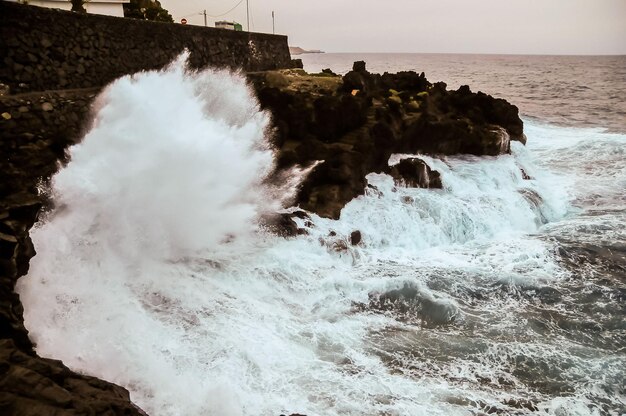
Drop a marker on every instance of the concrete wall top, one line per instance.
(47, 49)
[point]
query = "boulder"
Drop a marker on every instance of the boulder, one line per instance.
(283, 224)
(415, 173)
(33, 147)
(355, 237)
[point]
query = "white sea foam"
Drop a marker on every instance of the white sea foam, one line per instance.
(152, 273)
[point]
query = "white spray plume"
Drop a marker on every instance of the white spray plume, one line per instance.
(176, 161)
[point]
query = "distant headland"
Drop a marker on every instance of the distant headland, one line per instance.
(296, 50)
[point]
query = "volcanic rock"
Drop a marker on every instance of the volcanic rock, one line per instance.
(33, 146)
(350, 126)
(355, 237)
(347, 127)
(415, 173)
(283, 224)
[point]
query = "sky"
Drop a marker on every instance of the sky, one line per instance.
(562, 27)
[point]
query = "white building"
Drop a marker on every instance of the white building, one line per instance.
(228, 25)
(107, 7)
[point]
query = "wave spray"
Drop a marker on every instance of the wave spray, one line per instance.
(174, 167)
(152, 271)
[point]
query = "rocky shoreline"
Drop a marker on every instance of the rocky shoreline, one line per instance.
(349, 126)
(346, 126)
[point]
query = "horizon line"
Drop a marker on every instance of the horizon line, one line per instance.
(472, 53)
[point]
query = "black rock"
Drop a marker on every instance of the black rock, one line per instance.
(415, 173)
(355, 237)
(359, 66)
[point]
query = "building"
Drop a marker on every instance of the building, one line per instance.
(229, 25)
(107, 7)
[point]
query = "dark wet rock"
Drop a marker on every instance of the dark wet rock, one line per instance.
(30, 385)
(415, 173)
(405, 81)
(41, 128)
(355, 237)
(347, 127)
(297, 63)
(359, 66)
(522, 404)
(283, 224)
(354, 123)
(34, 142)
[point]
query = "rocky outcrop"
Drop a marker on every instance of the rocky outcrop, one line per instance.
(415, 173)
(286, 225)
(36, 130)
(343, 127)
(351, 125)
(34, 386)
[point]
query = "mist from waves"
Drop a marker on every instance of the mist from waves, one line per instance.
(153, 272)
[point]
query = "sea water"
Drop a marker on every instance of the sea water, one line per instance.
(153, 271)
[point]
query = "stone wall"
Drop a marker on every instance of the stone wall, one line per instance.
(36, 130)
(47, 49)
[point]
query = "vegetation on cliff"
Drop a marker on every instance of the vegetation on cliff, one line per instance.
(147, 10)
(136, 9)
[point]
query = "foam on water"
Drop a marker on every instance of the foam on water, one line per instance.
(152, 272)
(591, 161)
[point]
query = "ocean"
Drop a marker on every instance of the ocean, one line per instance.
(494, 295)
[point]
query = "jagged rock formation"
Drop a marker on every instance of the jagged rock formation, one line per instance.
(353, 124)
(36, 130)
(415, 173)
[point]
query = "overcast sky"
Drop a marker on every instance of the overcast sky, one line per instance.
(439, 26)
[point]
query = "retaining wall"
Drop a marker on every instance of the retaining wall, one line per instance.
(48, 49)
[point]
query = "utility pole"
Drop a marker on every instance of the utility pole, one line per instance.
(204, 17)
(248, 14)
(273, 26)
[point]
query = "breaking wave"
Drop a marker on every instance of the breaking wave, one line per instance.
(152, 272)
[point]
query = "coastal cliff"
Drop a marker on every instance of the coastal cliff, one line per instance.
(346, 126)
